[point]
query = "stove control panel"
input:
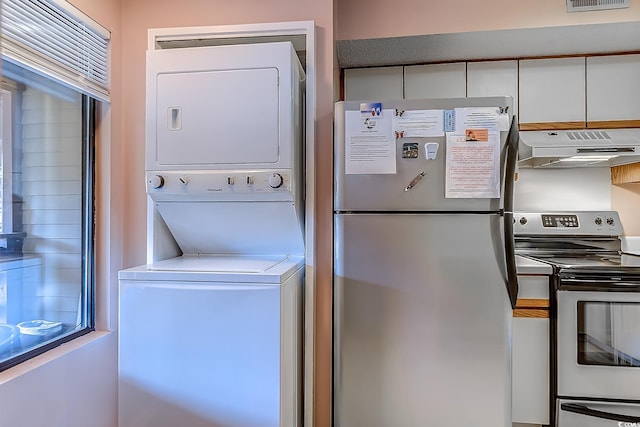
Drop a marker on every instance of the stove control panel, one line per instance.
(583, 223)
(559, 220)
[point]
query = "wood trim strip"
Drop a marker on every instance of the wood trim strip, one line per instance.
(553, 126)
(531, 314)
(536, 308)
(614, 124)
(605, 124)
(625, 174)
(529, 303)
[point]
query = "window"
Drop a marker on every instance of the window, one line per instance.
(47, 120)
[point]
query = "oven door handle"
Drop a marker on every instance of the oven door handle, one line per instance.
(585, 410)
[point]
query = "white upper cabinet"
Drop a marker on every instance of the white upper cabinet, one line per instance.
(613, 88)
(552, 90)
(373, 84)
(435, 81)
(493, 78)
(572, 89)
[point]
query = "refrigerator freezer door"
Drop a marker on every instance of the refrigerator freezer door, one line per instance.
(422, 321)
(419, 181)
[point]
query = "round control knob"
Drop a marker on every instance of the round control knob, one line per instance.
(610, 221)
(183, 180)
(598, 221)
(523, 220)
(276, 180)
(156, 181)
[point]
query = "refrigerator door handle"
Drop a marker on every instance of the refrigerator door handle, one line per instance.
(510, 171)
(585, 410)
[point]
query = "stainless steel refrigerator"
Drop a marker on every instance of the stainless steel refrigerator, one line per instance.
(424, 269)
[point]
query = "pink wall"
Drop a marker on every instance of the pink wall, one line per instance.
(625, 198)
(110, 200)
(126, 192)
(363, 19)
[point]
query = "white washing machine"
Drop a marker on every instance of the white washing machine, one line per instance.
(210, 329)
(211, 341)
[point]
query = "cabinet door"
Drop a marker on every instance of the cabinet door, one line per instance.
(493, 78)
(375, 84)
(613, 88)
(530, 357)
(530, 370)
(435, 81)
(552, 90)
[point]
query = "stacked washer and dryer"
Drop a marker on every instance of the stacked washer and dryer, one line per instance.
(210, 330)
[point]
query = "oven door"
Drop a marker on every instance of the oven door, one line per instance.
(598, 340)
(576, 413)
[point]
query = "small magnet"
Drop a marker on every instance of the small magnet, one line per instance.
(410, 150)
(431, 149)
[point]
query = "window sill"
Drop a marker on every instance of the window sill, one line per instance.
(52, 355)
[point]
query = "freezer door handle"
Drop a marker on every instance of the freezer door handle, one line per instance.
(509, 248)
(510, 171)
(585, 410)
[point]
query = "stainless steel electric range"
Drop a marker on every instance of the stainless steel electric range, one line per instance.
(594, 313)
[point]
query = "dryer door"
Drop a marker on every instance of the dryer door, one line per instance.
(217, 117)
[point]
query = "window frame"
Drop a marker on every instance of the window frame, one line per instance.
(6, 159)
(88, 233)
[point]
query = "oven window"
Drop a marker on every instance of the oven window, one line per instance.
(609, 333)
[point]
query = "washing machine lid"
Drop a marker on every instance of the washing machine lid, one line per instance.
(219, 263)
(259, 269)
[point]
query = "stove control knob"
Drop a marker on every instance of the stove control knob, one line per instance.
(523, 220)
(610, 221)
(275, 180)
(156, 181)
(598, 221)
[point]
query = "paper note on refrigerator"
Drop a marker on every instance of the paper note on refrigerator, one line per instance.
(370, 144)
(472, 166)
(418, 123)
(492, 118)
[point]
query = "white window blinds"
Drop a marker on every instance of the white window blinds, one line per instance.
(55, 39)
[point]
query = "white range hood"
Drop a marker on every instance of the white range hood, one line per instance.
(579, 148)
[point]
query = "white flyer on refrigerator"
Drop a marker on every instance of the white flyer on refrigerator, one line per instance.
(418, 123)
(370, 144)
(492, 118)
(473, 165)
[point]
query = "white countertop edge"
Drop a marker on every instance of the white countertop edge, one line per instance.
(631, 244)
(530, 266)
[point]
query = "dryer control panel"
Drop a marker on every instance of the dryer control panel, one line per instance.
(272, 184)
